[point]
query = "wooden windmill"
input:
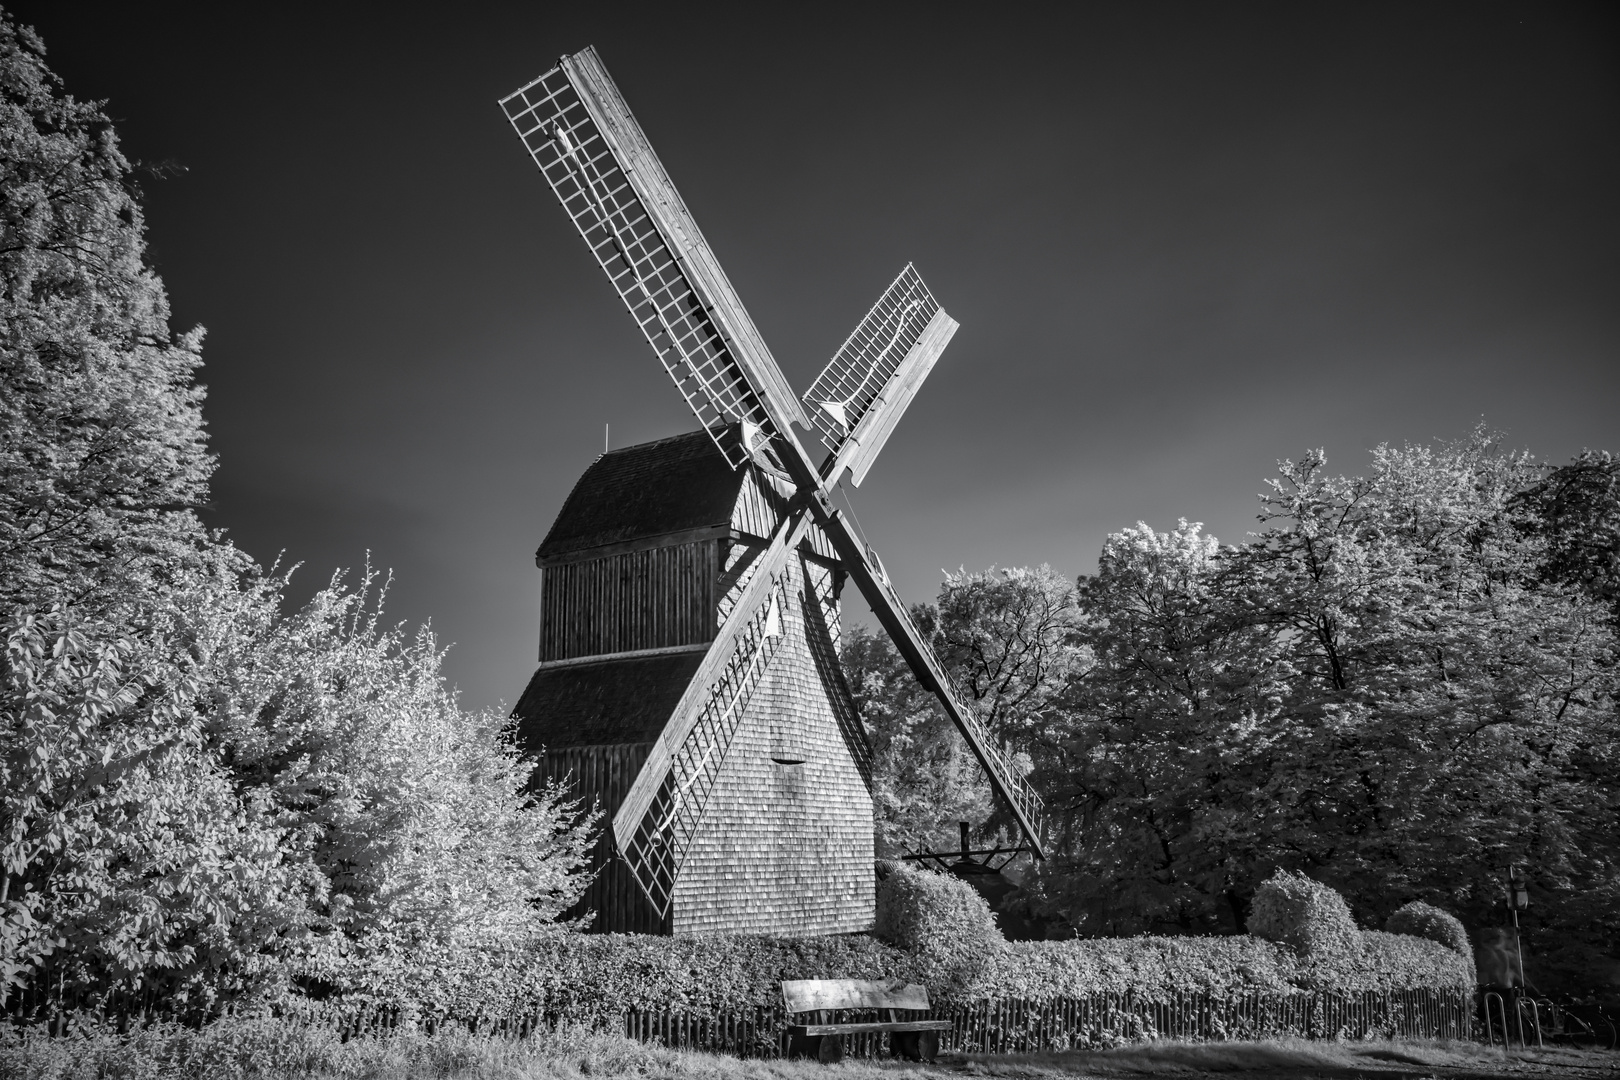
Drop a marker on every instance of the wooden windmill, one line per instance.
(689, 679)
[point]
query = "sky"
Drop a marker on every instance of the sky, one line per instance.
(1182, 240)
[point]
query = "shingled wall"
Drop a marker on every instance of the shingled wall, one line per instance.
(785, 846)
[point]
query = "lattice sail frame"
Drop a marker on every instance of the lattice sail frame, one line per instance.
(867, 360)
(577, 131)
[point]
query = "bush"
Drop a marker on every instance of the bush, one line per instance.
(1401, 962)
(1156, 968)
(256, 1049)
(919, 911)
(1305, 915)
(592, 979)
(1152, 967)
(1418, 919)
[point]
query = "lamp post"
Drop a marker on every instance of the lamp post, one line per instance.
(1518, 899)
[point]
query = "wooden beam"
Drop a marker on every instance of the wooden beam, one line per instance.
(891, 614)
(721, 531)
(653, 770)
(632, 654)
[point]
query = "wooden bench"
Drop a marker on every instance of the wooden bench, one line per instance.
(823, 1040)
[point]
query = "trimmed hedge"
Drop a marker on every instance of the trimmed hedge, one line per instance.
(594, 979)
(951, 946)
(919, 911)
(1418, 919)
(1294, 910)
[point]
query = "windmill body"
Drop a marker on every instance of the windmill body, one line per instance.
(689, 678)
(646, 559)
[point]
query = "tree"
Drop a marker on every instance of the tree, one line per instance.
(924, 778)
(1404, 683)
(1007, 639)
(413, 812)
(228, 797)
(1575, 510)
(200, 797)
(132, 867)
(1151, 804)
(1454, 708)
(101, 438)
(1384, 688)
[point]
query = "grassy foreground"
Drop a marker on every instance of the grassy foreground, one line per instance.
(248, 1050)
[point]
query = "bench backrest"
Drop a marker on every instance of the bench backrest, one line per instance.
(807, 995)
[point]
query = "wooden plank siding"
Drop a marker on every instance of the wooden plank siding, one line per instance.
(649, 599)
(600, 776)
(761, 502)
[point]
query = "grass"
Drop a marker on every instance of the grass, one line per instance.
(267, 1049)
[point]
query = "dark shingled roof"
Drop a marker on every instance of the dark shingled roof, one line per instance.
(627, 700)
(659, 487)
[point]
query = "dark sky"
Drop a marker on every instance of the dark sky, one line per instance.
(1182, 241)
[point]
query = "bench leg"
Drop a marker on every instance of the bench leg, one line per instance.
(914, 1045)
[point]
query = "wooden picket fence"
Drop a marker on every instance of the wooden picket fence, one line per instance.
(1002, 1026)
(1013, 1026)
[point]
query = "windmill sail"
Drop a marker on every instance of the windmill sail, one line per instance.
(588, 146)
(877, 370)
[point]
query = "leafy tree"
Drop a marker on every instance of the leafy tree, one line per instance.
(1007, 639)
(101, 436)
(1452, 710)
(229, 798)
(200, 797)
(1383, 688)
(411, 810)
(924, 778)
(1405, 682)
(132, 863)
(1575, 510)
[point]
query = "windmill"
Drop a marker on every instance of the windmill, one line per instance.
(686, 581)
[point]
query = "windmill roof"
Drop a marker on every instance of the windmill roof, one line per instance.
(624, 700)
(667, 486)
